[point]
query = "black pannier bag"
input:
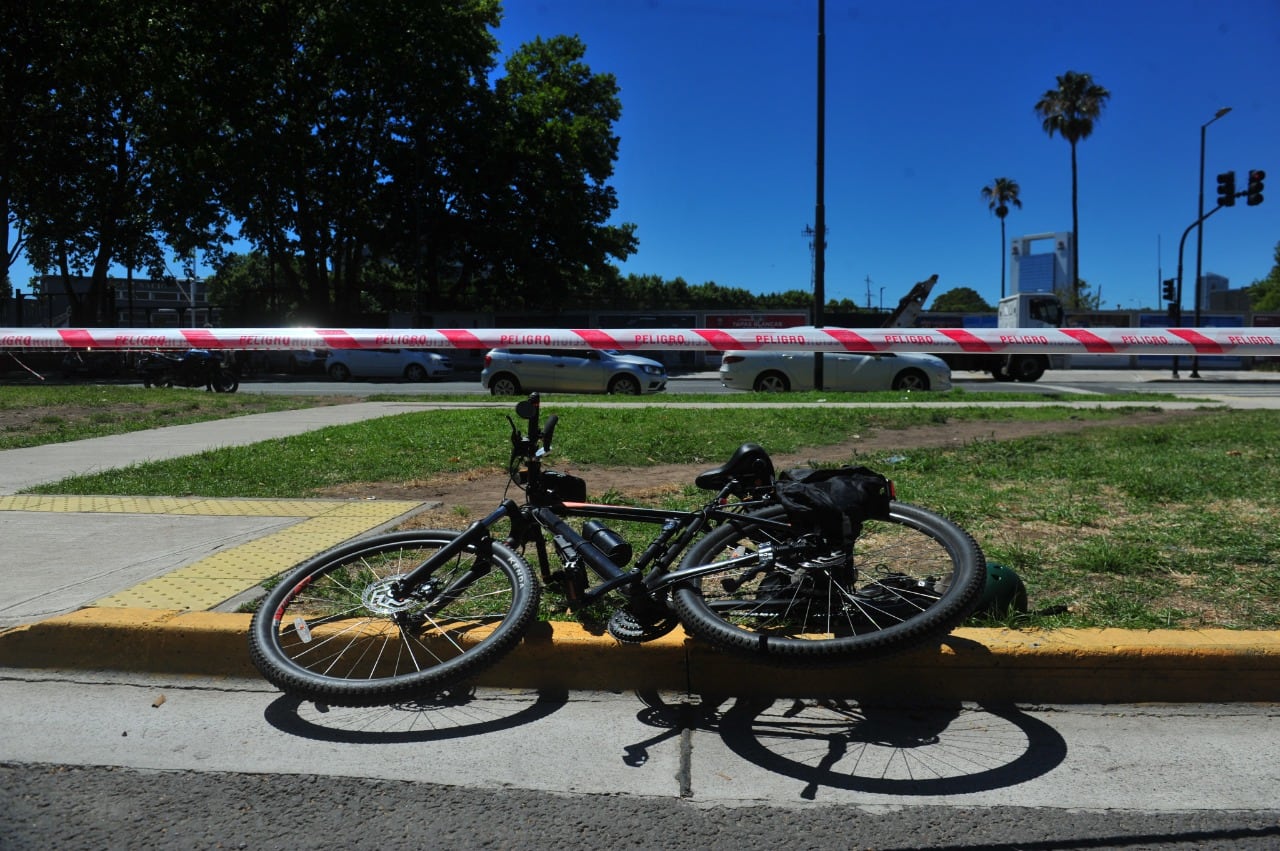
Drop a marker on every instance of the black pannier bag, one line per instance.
(834, 502)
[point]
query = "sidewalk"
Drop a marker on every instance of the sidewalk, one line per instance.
(153, 584)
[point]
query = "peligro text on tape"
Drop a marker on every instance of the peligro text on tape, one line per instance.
(1112, 341)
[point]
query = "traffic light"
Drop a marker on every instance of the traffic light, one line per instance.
(1227, 189)
(1167, 290)
(1254, 189)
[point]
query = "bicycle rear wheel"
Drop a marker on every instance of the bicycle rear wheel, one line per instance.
(333, 632)
(912, 577)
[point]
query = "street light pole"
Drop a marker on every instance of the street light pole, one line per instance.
(1195, 360)
(820, 212)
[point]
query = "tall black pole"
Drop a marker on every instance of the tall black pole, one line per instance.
(1195, 360)
(820, 212)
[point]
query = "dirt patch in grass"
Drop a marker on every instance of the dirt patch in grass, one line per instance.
(464, 496)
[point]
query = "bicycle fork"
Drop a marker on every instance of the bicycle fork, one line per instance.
(477, 535)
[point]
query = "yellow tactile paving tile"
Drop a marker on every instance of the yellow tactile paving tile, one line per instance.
(212, 580)
(261, 507)
(99, 504)
(204, 506)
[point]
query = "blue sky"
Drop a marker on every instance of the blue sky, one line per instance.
(927, 102)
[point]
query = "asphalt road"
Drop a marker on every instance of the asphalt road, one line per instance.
(1070, 381)
(93, 761)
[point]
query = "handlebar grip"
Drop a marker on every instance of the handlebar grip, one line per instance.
(535, 416)
(548, 432)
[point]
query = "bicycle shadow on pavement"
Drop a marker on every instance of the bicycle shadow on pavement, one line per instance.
(452, 714)
(926, 747)
(931, 750)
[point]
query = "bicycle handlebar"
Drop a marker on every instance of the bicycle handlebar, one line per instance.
(530, 411)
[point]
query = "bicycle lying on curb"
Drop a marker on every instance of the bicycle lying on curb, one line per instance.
(811, 567)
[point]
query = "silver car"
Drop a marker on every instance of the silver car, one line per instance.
(410, 364)
(508, 372)
(767, 371)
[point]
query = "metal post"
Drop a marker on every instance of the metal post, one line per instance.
(1195, 359)
(819, 214)
(1175, 308)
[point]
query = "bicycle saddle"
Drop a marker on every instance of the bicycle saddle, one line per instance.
(749, 464)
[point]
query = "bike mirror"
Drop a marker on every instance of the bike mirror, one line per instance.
(529, 410)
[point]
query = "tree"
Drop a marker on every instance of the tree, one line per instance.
(1070, 110)
(1081, 298)
(82, 192)
(364, 151)
(1264, 294)
(961, 300)
(338, 134)
(24, 64)
(553, 151)
(1002, 192)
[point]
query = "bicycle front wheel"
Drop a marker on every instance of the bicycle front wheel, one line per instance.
(910, 578)
(334, 631)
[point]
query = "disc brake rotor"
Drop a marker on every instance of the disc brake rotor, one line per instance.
(377, 597)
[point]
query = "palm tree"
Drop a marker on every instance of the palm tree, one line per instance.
(1002, 192)
(1070, 110)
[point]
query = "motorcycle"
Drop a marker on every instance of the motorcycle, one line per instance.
(192, 368)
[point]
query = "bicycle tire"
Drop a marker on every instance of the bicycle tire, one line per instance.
(331, 632)
(917, 576)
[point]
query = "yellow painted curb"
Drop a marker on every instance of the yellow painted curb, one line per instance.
(146, 640)
(1066, 666)
(1060, 666)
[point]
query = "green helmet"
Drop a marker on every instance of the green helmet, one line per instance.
(1004, 592)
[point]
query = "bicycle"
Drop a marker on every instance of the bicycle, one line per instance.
(404, 614)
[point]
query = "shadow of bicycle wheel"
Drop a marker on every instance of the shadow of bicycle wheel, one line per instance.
(950, 749)
(452, 714)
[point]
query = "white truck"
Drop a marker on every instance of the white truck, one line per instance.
(1021, 310)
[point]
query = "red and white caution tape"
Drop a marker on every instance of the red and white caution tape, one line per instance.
(1071, 341)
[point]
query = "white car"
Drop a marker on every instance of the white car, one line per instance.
(767, 371)
(508, 372)
(410, 364)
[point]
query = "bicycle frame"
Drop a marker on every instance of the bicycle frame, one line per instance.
(543, 515)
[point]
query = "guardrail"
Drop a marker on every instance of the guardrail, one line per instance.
(1071, 341)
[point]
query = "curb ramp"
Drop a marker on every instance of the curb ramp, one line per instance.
(980, 665)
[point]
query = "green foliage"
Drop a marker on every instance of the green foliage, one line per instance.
(85, 182)
(1264, 294)
(961, 300)
(1000, 193)
(644, 292)
(1071, 109)
(365, 152)
(1082, 297)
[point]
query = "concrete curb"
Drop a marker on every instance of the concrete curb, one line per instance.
(979, 665)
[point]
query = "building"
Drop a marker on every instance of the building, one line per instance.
(1213, 289)
(138, 302)
(1041, 271)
